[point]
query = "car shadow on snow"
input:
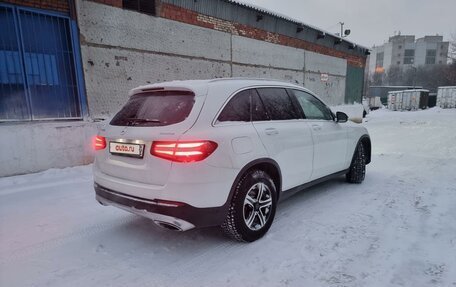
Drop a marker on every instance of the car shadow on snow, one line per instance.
(138, 239)
(141, 230)
(314, 192)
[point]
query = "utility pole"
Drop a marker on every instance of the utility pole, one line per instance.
(415, 69)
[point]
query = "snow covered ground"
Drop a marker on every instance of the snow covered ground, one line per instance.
(398, 228)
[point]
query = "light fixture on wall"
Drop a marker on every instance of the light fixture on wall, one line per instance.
(321, 35)
(337, 41)
(259, 17)
(343, 33)
(299, 29)
(351, 46)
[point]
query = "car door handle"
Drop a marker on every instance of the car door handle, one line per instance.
(316, 127)
(271, 131)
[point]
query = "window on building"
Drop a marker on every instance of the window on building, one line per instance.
(143, 6)
(10, 68)
(398, 62)
(379, 59)
(440, 62)
(37, 81)
(409, 56)
(430, 57)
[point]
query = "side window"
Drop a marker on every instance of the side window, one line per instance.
(238, 108)
(258, 111)
(313, 108)
(278, 104)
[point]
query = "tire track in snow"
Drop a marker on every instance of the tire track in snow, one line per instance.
(17, 254)
(36, 186)
(208, 260)
(194, 265)
(298, 211)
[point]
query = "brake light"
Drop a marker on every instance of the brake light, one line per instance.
(185, 151)
(99, 143)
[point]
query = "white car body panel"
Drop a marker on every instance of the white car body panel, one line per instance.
(330, 142)
(290, 144)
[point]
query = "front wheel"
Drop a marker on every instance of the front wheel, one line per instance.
(252, 208)
(357, 170)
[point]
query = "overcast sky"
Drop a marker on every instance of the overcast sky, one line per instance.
(371, 22)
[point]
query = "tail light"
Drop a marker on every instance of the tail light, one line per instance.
(185, 151)
(99, 143)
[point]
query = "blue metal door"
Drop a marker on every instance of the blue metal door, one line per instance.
(37, 66)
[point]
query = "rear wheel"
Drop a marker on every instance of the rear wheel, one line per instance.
(252, 208)
(357, 170)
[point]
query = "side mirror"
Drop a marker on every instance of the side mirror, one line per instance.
(341, 117)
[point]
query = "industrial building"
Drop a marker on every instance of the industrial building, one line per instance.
(404, 51)
(65, 64)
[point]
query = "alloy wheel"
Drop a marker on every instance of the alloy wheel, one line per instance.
(257, 206)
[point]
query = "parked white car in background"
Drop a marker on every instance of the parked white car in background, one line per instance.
(222, 152)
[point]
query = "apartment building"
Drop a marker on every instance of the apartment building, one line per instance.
(406, 51)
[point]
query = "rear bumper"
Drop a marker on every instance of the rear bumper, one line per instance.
(198, 185)
(179, 215)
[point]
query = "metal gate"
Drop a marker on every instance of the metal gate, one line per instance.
(38, 71)
(354, 85)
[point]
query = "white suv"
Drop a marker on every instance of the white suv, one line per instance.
(222, 152)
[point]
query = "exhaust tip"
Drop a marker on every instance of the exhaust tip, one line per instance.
(167, 225)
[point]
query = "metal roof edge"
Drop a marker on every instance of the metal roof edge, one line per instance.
(290, 19)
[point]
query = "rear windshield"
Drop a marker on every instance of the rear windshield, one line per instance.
(152, 109)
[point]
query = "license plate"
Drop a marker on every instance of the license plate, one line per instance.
(126, 149)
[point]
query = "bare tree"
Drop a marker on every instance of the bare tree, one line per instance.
(378, 79)
(395, 76)
(427, 76)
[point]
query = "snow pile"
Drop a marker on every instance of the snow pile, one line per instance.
(395, 229)
(353, 111)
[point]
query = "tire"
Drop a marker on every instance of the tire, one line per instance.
(251, 214)
(364, 114)
(357, 170)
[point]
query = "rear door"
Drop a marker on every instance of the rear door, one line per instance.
(286, 137)
(329, 137)
(148, 116)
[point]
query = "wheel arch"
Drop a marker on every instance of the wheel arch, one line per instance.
(366, 142)
(270, 166)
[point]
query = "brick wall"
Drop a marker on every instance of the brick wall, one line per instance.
(56, 5)
(115, 3)
(180, 14)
